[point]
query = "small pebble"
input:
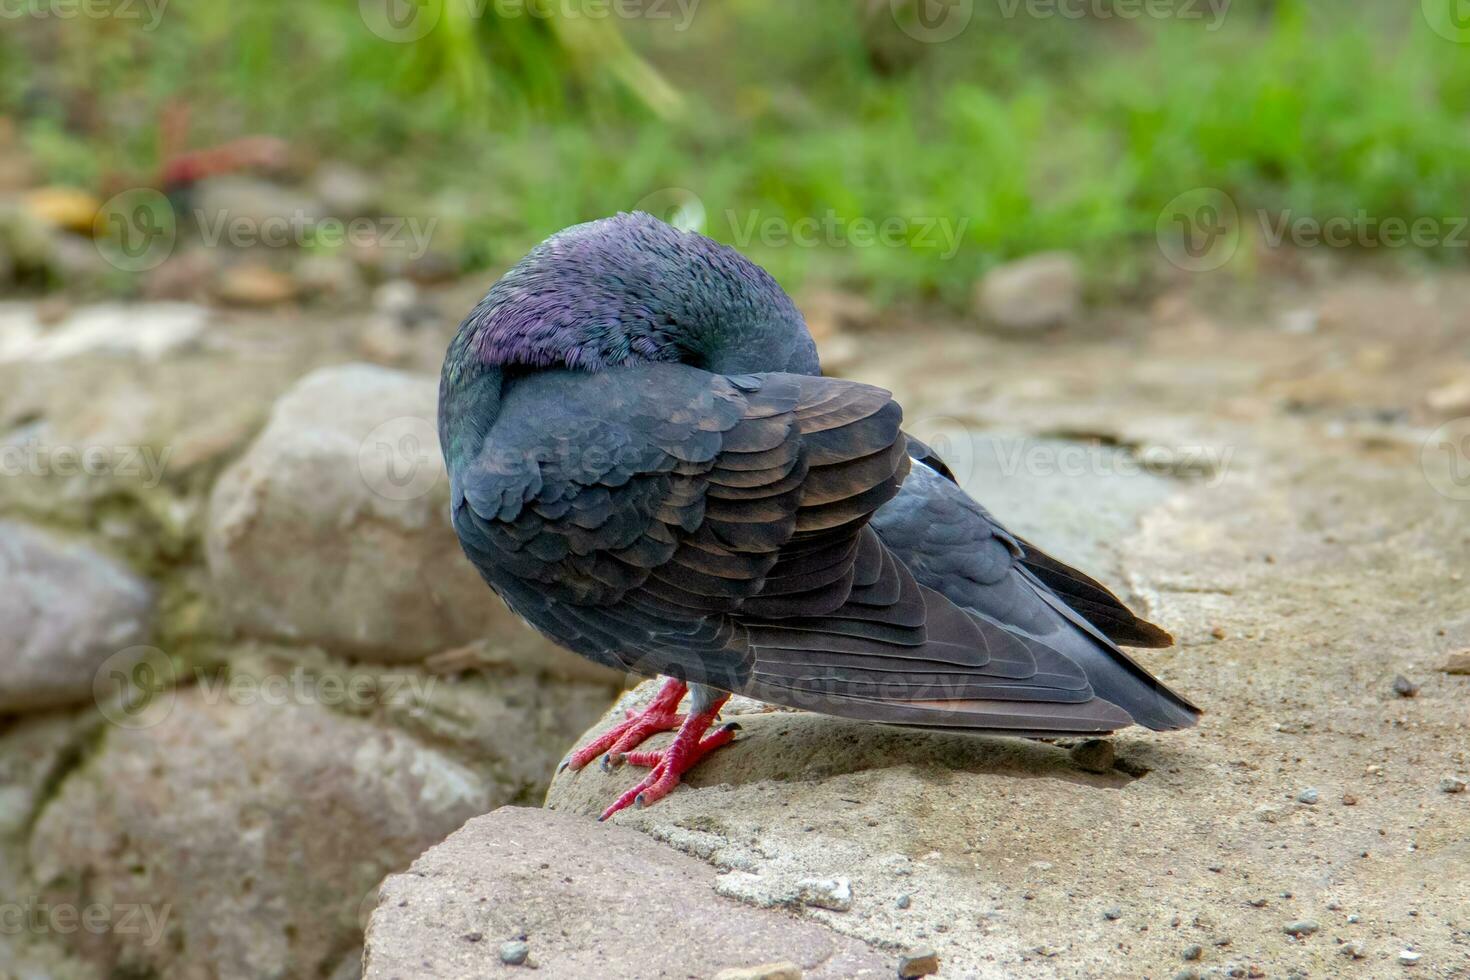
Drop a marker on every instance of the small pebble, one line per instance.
(1349, 799)
(1304, 927)
(1113, 914)
(1451, 784)
(1308, 796)
(1353, 950)
(1404, 687)
(826, 893)
(1408, 957)
(1353, 920)
(1193, 952)
(920, 962)
(514, 953)
(473, 937)
(1094, 755)
(903, 902)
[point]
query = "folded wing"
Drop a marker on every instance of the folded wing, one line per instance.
(717, 529)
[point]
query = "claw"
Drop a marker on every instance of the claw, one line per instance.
(667, 767)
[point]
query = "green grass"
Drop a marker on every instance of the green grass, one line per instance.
(1023, 134)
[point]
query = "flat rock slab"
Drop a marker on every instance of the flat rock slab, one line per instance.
(590, 900)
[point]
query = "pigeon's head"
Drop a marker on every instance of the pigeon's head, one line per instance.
(631, 289)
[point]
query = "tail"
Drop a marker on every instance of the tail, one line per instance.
(1117, 677)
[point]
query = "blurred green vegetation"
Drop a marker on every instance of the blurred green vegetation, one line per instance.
(1030, 132)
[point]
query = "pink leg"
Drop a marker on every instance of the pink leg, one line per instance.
(659, 716)
(689, 746)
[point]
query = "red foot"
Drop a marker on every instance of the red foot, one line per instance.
(659, 716)
(668, 766)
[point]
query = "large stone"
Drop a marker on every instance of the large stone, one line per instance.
(244, 212)
(588, 900)
(245, 831)
(333, 528)
(65, 608)
(1033, 293)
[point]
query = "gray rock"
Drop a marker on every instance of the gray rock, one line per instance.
(566, 882)
(329, 276)
(1302, 927)
(144, 331)
(1404, 687)
(333, 528)
(249, 834)
(918, 963)
(1309, 796)
(826, 893)
(513, 953)
(245, 211)
(1033, 293)
(65, 610)
(1192, 952)
(346, 191)
(1452, 784)
(1113, 914)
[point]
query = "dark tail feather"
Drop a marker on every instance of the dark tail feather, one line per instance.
(1116, 677)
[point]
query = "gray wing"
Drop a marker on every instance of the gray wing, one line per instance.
(716, 529)
(953, 545)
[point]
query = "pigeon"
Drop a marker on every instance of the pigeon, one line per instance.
(648, 466)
